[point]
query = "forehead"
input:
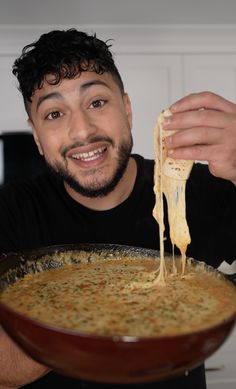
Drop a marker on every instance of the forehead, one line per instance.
(67, 88)
(79, 84)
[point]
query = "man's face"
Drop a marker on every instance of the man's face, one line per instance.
(82, 127)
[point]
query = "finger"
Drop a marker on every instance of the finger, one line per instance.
(226, 170)
(206, 118)
(195, 153)
(195, 136)
(200, 100)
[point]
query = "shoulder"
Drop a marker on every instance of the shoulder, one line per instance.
(27, 207)
(210, 195)
(21, 190)
(201, 180)
(145, 167)
(210, 209)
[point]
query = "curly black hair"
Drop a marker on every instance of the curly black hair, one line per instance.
(64, 54)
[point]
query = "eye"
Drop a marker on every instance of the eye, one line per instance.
(97, 104)
(54, 115)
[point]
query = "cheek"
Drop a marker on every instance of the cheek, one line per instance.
(50, 146)
(126, 125)
(120, 124)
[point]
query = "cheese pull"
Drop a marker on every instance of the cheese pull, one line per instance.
(170, 177)
(179, 169)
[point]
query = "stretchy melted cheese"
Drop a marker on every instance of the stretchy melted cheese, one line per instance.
(170, 178)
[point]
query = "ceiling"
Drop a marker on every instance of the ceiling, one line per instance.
(117, 12)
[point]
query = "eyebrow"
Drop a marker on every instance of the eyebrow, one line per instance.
(82, 88)
(90, 83)
(50, 95)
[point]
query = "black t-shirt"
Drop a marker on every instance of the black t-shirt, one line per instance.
(39, 212)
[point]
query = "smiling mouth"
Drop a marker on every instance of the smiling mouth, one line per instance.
(90, 155)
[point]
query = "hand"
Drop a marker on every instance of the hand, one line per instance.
(208, 132)
(17, 368)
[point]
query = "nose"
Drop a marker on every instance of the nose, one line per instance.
(81, 126)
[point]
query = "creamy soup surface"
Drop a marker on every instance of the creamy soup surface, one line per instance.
(120, 298)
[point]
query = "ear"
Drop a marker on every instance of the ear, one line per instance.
(36, 139)
(128, 108)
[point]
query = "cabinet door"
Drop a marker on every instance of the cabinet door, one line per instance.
(153, 82)
(214, 72)
(220, 368)
(13, 115)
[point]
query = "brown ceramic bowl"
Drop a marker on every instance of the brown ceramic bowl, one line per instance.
(104, 359)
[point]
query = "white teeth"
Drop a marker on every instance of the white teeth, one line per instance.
(90, 156)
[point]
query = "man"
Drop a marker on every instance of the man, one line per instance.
(95, 190)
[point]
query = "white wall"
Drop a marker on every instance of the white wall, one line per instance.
(117, 12)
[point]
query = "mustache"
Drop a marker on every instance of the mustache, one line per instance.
(92, 140)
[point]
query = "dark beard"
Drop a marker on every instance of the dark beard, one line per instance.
(123, 157)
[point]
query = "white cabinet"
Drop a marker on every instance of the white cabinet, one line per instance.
(13, 116)
(153, 82)
(213, 72)
(221, 366)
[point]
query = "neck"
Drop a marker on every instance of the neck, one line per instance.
(116, 197)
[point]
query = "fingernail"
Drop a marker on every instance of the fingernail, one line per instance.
(174, 107)
(166, 122)
(168, 140)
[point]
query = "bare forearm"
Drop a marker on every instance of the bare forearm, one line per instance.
(16, 368)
